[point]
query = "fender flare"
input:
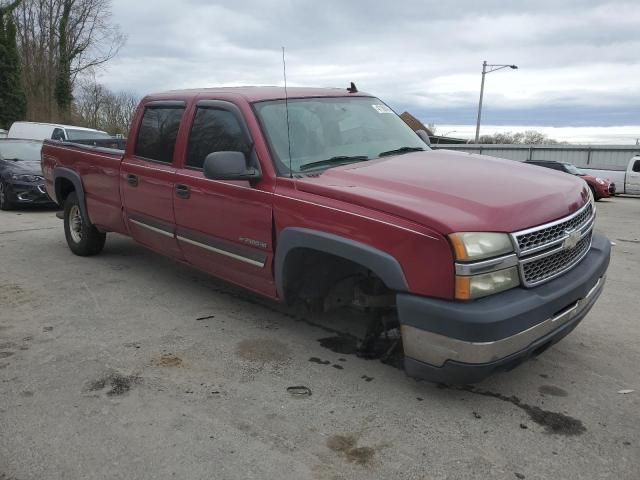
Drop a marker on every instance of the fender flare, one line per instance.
(74, 178)
(386, 267)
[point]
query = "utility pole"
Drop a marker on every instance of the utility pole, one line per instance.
(484, 72)
(492, 68)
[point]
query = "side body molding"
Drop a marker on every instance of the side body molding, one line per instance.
(74, 178)
(381, 263)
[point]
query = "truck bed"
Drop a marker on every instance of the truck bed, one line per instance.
(97, 168)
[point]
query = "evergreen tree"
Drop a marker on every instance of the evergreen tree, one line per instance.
(64, 91)
(13, 103)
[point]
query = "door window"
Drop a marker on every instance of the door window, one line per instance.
(58, 134)
(636, 166)
(214, 130)
(158, 132)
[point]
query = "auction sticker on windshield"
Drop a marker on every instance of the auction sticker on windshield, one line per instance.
(381, 108)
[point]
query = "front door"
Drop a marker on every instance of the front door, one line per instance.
(223, 227)
(148, 178)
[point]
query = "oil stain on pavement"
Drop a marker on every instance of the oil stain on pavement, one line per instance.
(263, 350)
(553, 422)
(168, 360)
(118, 384)
(346, 445)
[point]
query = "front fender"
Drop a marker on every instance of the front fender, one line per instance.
(386, 267)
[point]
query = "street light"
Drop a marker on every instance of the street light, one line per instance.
(492, 68)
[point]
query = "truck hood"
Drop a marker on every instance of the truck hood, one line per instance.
(453, 192)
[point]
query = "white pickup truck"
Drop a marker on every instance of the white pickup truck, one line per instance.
(627, 181)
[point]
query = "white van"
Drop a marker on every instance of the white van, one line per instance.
(53, 131)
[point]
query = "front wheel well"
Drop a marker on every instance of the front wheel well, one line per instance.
(328, 281)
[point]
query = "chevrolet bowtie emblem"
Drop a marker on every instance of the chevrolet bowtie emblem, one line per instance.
(573, 237)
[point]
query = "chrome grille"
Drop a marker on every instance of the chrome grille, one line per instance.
(546, 251)
(531, 240)
(537, 270)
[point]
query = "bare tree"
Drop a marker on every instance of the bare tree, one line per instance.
(97, 107)
(90, 99)
(528, 137)
(59, 40)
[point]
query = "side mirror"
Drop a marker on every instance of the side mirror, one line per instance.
(424, 136)
(229, 166)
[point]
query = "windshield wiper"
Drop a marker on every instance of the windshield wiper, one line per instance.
(401, 150)
(334, 160)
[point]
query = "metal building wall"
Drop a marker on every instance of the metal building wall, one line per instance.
(604, 157)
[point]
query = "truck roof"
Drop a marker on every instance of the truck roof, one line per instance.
(256, 94)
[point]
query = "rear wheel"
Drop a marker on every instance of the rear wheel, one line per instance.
(83, 238)
(5, 203)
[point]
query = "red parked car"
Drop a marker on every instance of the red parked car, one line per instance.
(600, 188)
(485, 262)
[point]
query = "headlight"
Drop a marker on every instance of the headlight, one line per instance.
(600, 181)
(471, 246)
(27, 178)
(477, 286)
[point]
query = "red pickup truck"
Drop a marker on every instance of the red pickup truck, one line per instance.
(330, 198)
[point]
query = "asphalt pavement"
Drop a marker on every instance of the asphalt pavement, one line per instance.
(129, 365)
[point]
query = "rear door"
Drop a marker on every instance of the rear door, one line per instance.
(632, 179)
(147, 177)
(223, 227)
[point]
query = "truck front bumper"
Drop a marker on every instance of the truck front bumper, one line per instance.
(464, 342)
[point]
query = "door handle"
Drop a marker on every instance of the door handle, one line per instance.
(132, 179)
(183, 191)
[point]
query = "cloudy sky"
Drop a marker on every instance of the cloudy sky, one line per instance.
(579, 60)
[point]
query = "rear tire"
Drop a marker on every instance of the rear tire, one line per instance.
(5, 203)
(83, 238)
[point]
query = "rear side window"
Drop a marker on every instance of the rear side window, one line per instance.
(214, 130)
(158, 132)
(58, 134)
(636, 166)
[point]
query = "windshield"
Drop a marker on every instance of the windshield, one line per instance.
(73, 134)
(572, 169)
(335, 129)
(29, 151)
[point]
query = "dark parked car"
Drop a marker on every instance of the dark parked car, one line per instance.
(601, 188)
(21, 180)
